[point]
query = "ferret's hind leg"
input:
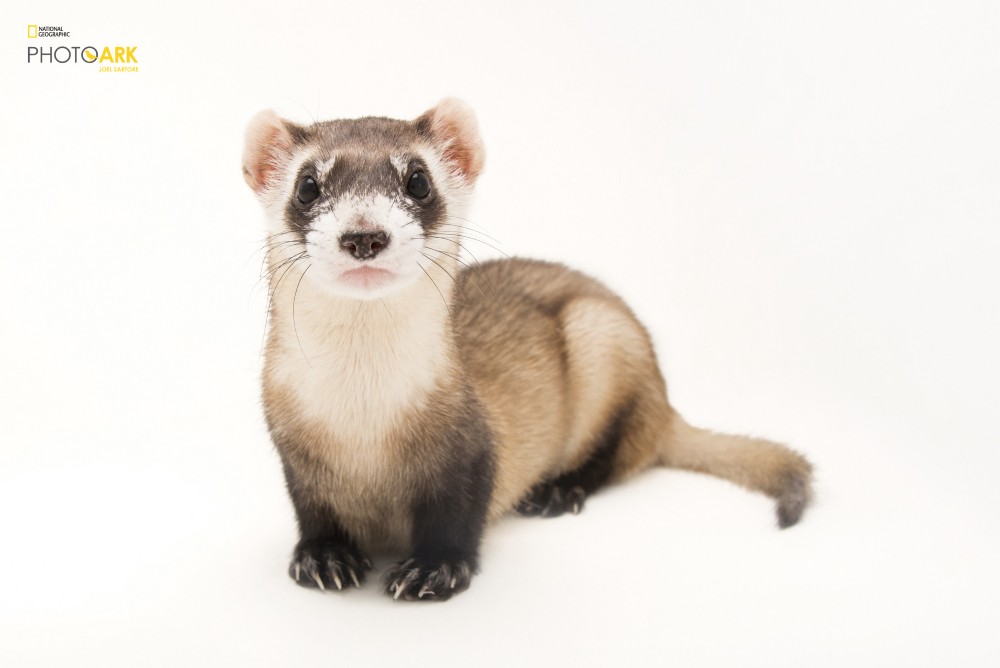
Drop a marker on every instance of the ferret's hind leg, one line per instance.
(567, 492)
(625, 445)
(619, 404)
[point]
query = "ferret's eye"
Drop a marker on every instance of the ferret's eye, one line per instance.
(419, 185)
(308, 191)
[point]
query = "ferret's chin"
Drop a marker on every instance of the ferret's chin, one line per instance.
(366, 283)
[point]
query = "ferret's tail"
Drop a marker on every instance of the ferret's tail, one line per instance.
(760, 465)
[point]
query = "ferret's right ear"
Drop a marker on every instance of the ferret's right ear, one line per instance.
(267, 148)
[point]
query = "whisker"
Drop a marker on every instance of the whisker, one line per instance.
(469, 221)
(461, 287)
(274, 247)
(266, 239)
(304, 108)
(267, 243)
(452, 236)
(479, 277)
(457, 258)
(443, 300)
(273, 241)
(392, 317)
(442, 228)
(441, 266)
(269, 274)
(287, 264)
(294, 325)
(270, 239)
(280, 243)
(290, 262)
(466, 229)
(283, 259)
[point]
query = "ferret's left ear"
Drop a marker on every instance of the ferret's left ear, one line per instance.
(452, 127)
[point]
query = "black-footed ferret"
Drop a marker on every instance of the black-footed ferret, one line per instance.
(412, 397)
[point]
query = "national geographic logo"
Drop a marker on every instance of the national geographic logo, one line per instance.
(111, 59)
(35, 31)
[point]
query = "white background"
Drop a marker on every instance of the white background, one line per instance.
(799, 199)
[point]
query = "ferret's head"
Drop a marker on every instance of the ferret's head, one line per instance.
(371, 203)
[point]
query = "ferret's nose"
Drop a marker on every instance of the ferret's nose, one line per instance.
(364, 246)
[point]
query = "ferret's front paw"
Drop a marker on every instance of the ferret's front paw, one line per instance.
(425, 580)
(328, 564)
(550, 499)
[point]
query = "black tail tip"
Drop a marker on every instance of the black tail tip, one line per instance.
(793, 500)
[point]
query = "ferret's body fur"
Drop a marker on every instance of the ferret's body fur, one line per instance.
(408, 415)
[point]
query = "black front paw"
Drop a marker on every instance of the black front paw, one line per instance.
(419, 579)
(328, 564)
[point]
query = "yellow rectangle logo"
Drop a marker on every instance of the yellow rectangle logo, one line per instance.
(32, 31)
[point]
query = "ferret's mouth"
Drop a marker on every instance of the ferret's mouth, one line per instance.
(367, 278)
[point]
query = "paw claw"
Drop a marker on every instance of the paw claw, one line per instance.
(551, 499)
(326, 564)
(416, 579)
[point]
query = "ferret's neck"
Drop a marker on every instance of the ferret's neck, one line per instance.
(321, 326)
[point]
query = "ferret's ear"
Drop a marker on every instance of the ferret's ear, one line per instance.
(267, 147)
(452, 127)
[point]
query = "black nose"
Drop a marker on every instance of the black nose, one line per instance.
(364, 246)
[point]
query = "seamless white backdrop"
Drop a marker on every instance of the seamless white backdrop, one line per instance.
(799, 199)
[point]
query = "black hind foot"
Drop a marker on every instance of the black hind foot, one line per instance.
(566, 493)
(328, 564)
(427, 580)
(550, 499)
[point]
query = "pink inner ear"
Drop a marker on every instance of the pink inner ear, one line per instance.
(267, 145)
(454, 128)
(462, 152)
(261, 164)
(464, 148)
